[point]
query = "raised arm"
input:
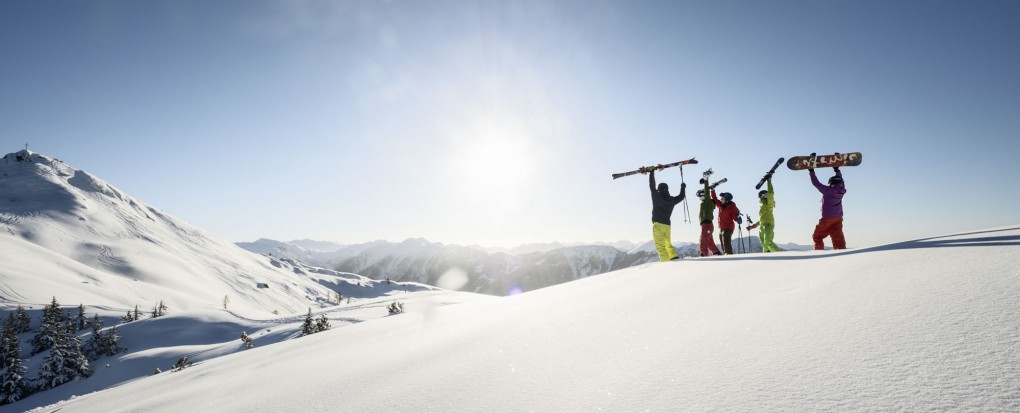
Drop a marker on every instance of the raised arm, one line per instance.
(651, 180)
(814, 181)
(771, 198)
(683, 193)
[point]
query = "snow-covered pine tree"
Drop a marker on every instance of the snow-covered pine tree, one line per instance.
(93, 347)
(65, 362)
(81, 321)
(24, 324)
(48, 331)
(13, 385)
(127, 318)
(51, 372)
(248, 342)
(159, 310)
(111, 342)
(322, 323)
(182, 363)
(138, 314)
(7, 329)
(309, 325)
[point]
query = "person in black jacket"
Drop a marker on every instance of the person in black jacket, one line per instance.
(662, 209)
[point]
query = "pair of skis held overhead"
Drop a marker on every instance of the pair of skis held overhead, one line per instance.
(795, 163)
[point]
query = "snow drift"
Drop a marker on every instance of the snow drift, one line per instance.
(924, 325)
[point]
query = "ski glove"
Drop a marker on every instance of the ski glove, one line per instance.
(740, 221)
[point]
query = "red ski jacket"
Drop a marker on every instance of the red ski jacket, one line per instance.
(728, 213)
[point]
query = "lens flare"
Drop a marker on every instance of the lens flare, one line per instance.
(453, 279)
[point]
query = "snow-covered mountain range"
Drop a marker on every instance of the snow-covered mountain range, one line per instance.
(488, 272)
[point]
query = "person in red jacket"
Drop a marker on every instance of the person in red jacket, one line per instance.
(729, 217)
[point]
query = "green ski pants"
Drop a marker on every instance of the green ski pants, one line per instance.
(767, 233)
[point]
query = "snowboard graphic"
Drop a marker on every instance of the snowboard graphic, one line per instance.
(797, 163)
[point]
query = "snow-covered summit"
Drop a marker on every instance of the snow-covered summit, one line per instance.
(93, 243)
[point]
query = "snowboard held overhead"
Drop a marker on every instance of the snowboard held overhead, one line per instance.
(797, 163)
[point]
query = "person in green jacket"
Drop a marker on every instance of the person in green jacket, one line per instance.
(705, 216)
(767, 220)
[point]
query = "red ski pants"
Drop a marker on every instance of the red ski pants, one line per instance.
(829, 227)
(707, 241)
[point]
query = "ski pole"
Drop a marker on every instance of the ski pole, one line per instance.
(740, 231)
(687, 212)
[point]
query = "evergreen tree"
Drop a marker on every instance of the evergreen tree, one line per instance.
(48, 331)
(65, 362)
(309, 325)
(322, 323)
(182, 363)
(13, 384)
(127, 318)
(138, 314)
(159, 310)
(93, 347)
(24, 324)
(248, 342)
(111, 341)
(7, 329)
(81, 321)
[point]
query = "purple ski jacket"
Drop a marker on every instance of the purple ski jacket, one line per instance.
(832, 196)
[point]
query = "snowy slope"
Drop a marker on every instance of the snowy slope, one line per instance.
(924, 325)
(67, 234)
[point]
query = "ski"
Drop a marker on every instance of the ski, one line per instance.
(721, 181)
(836, 160)
(769, 173)
(644, 169)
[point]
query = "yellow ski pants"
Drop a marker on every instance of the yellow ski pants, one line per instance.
(663, 241)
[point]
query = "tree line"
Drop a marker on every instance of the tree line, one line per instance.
(68, 355)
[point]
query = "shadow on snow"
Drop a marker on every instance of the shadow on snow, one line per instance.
(933, 242)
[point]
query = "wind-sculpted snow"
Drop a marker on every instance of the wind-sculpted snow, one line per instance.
(921, 325)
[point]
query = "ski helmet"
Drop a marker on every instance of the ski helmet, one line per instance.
(836, 180)
(762, 193)
(727, 196)
(663, 187)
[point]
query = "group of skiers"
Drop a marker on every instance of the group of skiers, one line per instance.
(830, 225)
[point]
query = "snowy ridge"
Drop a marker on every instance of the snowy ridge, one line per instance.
(923, 325)
(82, 240)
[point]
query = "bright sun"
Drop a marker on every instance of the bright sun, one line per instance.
(495, 164)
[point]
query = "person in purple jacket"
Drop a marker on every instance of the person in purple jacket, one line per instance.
(831, 224)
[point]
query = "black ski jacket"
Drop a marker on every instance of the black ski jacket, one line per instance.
(662, 203)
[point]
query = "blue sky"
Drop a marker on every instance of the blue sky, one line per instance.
(500, 122)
